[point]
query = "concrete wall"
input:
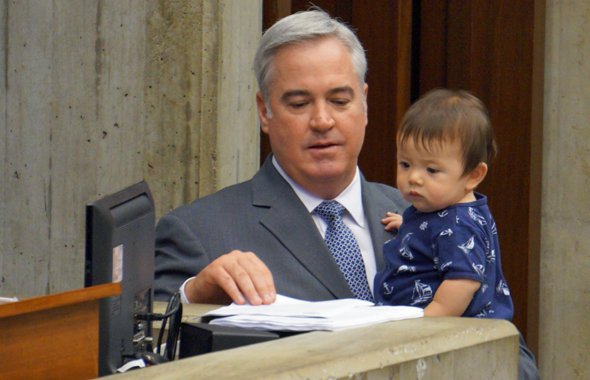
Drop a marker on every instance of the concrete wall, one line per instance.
(201, 120)
(565, 255)
(96, 95)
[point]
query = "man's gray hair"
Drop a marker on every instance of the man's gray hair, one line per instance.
(300, 27)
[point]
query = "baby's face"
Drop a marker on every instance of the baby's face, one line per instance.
(432, 179)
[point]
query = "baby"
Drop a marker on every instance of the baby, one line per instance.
(446, 256)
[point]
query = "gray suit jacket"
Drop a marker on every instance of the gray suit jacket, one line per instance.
(265, 216)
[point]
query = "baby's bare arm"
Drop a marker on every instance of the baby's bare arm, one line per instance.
(452, 298)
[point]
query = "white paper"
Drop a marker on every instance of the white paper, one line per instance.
(4, 300)
(292, 307)
(288, 314)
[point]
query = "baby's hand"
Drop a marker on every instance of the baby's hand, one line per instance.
(392, 221)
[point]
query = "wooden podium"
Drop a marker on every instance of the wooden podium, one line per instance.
(52, 337)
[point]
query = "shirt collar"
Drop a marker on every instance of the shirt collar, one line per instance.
(351, 197)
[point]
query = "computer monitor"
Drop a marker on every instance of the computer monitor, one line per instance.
(120, 233)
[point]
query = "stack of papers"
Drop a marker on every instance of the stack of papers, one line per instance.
(289, 314)
(4, 300)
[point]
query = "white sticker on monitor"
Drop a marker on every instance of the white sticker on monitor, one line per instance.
(118, 263)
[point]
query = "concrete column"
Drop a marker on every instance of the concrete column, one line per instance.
(200, 108)
(96, 95)
(565, 254)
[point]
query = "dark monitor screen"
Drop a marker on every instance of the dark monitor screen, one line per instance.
(120, 233)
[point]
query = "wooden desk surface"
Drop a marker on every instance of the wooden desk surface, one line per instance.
(54, 336)
(458, 348)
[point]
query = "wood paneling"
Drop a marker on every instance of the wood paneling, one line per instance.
(486, 47)
(384, 29)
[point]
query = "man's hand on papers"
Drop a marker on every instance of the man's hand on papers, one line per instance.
(237, 276)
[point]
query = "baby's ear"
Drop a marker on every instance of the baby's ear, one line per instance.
(476, 176)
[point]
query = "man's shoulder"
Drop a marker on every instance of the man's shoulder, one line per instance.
(380, 192)
(258, 192)
(387, 190)
(227, 197)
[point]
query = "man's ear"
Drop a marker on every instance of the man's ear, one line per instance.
(262, 112)
(476, 176)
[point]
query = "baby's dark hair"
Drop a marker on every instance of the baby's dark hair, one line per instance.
(445, 115)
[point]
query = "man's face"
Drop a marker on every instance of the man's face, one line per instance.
(317, 117)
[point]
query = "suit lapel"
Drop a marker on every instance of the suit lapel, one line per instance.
(290, 222)
(375, 205)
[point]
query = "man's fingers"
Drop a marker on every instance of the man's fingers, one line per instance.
(239, 276)
(229, 284)
(259, 277)
(251, 278)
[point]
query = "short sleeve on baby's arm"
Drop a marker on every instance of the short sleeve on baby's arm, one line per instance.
(460, 254)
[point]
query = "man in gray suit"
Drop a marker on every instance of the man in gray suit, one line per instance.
(249, 241)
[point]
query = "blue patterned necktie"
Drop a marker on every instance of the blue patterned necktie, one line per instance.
(345, 249)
